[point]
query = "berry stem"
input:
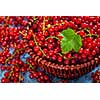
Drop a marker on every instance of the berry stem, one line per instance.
(13, 55)
(35, 18)
(90, 33)
(20, 78)
(49, 25)
(60, 54)
(38, 45)
(52, 37)
(30, 66)
(22, 33)
(11, 72)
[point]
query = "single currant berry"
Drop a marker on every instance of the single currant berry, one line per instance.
(45, 50)
(6, 74)
(3, 68)
(76, 55)
(4, 43)
(96, 77)
(30, 33)
(51, 52)
(16, 69)
(50, 40)
(73, 61)
(82, 33)
(89, 39)
(91, 31)
(46, 43)
(39, 53)
(35, 74)
(45, 77)
(19, 46)
(50, 46)
(69, 55)
(89, 45)
(83, 56)
(54, 57)
(56, 28)
(42, 38)
(78, 21)
(46, 33)
(59, 59)
(80, 50)
(52, 33)
(23, 69)
(84, 25)
(36, 48)
(41, 77)
(31, 75)
(39, 34)
(66, 62)
(51, 29)
(98, 39)
(86, 51)
(15, 81)
(31, 43)
(34, 26)
(40, 43)
(40, 73)
(28, 37)
(93, 52)
(3, 80)
(16, 74)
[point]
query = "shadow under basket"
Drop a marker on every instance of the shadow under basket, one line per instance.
(68, 72)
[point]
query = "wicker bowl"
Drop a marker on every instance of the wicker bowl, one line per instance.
(68, 72)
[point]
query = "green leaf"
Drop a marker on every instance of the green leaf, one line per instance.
(66, 48)
(77, 43)
(70, 41)
(69, 33)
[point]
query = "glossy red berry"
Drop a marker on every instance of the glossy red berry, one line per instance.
(31, 43)
(36, 48)
(59, 59)
(82, 33)
(31, 75)
(3, 80)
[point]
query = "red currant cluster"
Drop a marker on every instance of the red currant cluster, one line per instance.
(39, 36)
(14, 67)
(47, 39)
(40, 76)
(96, 76)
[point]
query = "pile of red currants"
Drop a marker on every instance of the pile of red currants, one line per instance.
(65, 46)
(95, 76)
